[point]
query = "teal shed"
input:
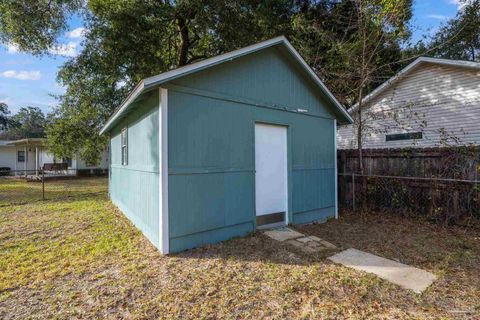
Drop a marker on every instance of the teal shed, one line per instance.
(219, 148)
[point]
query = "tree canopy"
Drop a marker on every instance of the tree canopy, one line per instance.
(459, 38)
(28, 122)
(4, 116)
(129, 40)
(354, 45)
(35, 25)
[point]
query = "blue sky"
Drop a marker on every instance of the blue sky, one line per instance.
(29, 80)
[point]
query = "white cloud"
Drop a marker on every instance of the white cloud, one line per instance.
(77, 33)
(9, 101)
(65, 49)
(438, 16)
(12, 48)
(21, 75)
(18, 62)
(460, 3)
(60, 87)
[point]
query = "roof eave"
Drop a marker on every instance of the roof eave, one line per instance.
(183, 71)
(27, 141)
(411, 66)
(130, 98)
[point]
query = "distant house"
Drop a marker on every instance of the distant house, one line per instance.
(430, 103)
(216, 149)
(7, 154)
(30, 156)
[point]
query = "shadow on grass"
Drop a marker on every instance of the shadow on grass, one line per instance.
(255, 247)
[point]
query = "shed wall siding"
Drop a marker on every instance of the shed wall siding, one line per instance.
(212, 165)
(446, 98)
(134, 187)
(266, 76)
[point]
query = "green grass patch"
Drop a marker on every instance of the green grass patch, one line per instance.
(79, 257)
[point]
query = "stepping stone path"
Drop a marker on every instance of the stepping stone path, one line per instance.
(401, 274)
(309, 244)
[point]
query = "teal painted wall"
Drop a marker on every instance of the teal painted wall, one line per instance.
(211, 121)
(134, 187)
(268, 76)
(211, 155)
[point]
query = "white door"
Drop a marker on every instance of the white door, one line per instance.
(271, 173)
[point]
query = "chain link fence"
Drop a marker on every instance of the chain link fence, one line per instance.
(444, 200)
(26, 186)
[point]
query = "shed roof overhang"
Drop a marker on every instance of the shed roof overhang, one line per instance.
(147, 84)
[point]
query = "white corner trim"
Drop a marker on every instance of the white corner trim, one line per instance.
(336, 167)
(164, 239)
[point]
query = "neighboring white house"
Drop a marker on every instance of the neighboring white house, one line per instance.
(28, 156)
(430, 103)
(7, 154)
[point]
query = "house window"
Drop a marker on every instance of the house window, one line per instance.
(404, 136)
(21, 156)
(124, 143)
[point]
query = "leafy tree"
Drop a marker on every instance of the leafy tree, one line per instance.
(4, 116)
(29, 122)
(34, 25)
(350, 43)
(130, 40)
(459, 38)
(354, 45)
(73, 128)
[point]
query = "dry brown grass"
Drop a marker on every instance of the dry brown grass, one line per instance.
(82, 259)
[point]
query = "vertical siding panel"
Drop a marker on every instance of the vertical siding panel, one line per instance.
(134, 187)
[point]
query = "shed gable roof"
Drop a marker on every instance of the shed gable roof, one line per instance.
(411, 68)
(157, 80)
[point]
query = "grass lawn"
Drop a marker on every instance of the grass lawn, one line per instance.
(79, 257)
(15, 190)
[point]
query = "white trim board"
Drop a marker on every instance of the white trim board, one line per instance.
(336, 167)
(163, 230)
(157, 80)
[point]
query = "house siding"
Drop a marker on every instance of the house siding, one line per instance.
(134, 187)
(8, 157)
(211, 151)
(446, 98)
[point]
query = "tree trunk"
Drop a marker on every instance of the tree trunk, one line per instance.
(184, 42)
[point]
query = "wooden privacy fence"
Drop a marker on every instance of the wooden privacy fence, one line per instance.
(451, 163)
(437, 183)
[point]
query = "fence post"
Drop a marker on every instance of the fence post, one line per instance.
(353, 191)
(43, 185)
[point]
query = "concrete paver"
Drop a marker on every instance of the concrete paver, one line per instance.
(401, 274)
(283, 234)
